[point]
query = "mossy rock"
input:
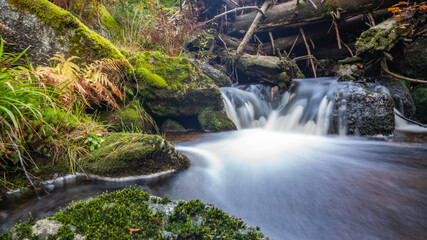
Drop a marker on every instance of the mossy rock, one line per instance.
(419, 95)
(130, 120)
(215, 121)
(112, 215)
(172, 126)
(50, 30)
(96, 16)
(132, 154)
(174, 86)
(378, 38)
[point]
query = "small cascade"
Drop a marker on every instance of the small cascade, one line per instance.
(305, 109)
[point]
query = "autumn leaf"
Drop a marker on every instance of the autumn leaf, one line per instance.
(132, 230)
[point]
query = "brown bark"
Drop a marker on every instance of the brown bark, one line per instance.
(289, 14)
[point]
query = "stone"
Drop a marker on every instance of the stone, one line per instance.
(215, 121)
(401, 96)
(170, 125)
(47, 29)
(362, 111)
(219, 77)
(133, 154)
(45, 228)
(420, 100)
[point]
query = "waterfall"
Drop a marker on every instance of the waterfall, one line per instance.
(306, 108)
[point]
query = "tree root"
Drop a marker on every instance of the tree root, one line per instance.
(386, 70)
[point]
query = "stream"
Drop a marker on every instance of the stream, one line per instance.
(281, 172)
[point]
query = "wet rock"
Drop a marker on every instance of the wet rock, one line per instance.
(401, 96)
(45, 228)
(219, 77)
(362, 111)
(215, 121)
(48, 29)
(132, 154)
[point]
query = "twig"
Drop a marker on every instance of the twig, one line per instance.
(371, 19)
(23, 166)
(409, 120)
(272, 43)
(312, 43)
(293, 45)
(308, 52)
(314, 5)
(348, 48)
(385, 69)
(225, 44)
(251, 29)
(235, 10)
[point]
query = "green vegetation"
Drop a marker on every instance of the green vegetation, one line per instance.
(172, 126)
(420, 100)
(215, 121)
(134, 214)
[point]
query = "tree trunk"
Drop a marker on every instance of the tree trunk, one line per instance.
(289, 14)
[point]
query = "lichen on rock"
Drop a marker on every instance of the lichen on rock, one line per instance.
(378, 38)
(132, 154)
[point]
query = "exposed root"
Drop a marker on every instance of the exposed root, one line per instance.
(386, 70)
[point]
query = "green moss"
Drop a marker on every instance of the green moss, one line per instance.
(420, 100)
(381, 37)
(172, 126)
(85, 42)
(158, 70)
(215, 121)
(132, 154)
(110, 216)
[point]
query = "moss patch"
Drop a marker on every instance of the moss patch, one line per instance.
(172, 126)
(215, 121)
(132, 154)
(133, 119)
(381, 37)
(111, 216)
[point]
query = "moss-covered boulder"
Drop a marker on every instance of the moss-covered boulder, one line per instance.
(170, 125)
(134, 214)
(129, 120)
(219, 77)
(48, 29)
(132, 154)
(174, 86)
(381, 37)
(96, 16)
(420, 100)
(215, 121)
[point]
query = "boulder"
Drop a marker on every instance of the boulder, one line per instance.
(215, 121)
(174, 86)
(381, 37)
(133, 154)
(362, 111)
(401, 96)
(48, 29)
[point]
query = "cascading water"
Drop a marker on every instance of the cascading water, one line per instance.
(305, 109)
(292, 185)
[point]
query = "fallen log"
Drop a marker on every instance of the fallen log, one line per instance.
(288, 15)
(265, 69)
